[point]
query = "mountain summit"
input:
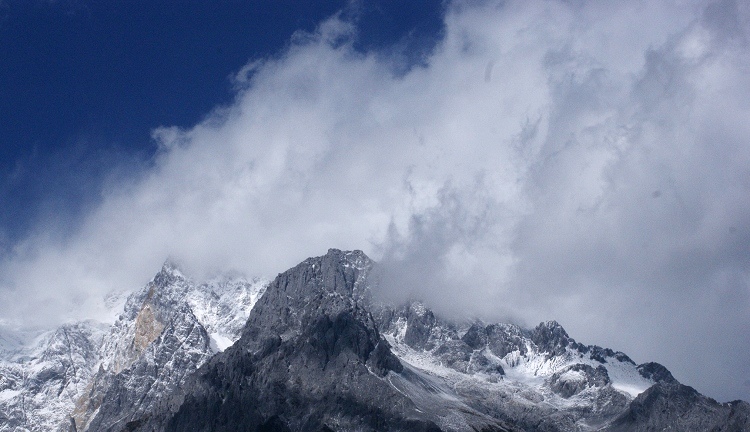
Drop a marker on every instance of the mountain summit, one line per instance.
(310, 358)
(311, 351)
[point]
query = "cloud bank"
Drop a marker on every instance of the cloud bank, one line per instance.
(580, 161)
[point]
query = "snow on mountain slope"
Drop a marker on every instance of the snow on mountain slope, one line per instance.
(511, 370)
(311, 358)
(135, 373)
(39, 382)
(47, 377)
(318, 353)
(222, 306)
(167, 330)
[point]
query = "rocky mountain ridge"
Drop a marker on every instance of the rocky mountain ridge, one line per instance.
(316, 352)
(166, 330)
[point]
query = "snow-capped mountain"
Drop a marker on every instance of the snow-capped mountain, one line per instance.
(39, 381)
(318, 354)
(60, 380)
(312, 350)
(541, 379)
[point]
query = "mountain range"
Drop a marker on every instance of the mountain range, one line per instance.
(314, 350)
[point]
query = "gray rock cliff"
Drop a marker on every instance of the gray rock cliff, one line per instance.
(315, 352)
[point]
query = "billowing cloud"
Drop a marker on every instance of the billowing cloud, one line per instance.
(580, 161)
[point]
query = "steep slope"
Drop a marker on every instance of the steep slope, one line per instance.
(671, 405)
(165, 333)
(59, 379)
(317, 354)
(39, 382)
(311, 358)
(314, 352)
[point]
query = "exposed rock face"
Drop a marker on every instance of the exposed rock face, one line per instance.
(656, 372)
(669, 405)
(550, 338)
(534, 379)
(136, 391)
(311, 358)
(316, 353)
(501, 339)
(153, 348)
(576, 378)
(39, 384)
(94, 376)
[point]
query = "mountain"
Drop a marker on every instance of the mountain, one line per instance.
(313, 351)
(96, 376)
(39, 381)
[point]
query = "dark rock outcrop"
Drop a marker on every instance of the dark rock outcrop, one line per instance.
(500, 339)
(315, 355)
(550, 337)
(576, 378)
(656, 372)
(311, 358)
(674, 406)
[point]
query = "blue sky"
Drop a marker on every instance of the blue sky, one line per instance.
(583, 161)
(84, 82)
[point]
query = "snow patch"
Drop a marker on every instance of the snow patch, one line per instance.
(8, 394)
(633, 390)
(573, 376)
(626, 379)
(220, 342)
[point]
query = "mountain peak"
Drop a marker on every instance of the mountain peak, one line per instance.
(326, 284)
(552, 325)
(656, 372)
(169, 273)
(551, 337)
(315, 352)
(355, 258)
(308, 340)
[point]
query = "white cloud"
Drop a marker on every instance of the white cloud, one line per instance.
(586, 162)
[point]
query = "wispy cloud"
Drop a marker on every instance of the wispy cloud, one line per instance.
(585, 162)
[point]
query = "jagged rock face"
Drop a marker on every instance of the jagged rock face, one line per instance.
(156, 344)
(305, 363)
(39, 384)
(550, 338)
(524, 377)
(95, 376)
(656, 372)
(501, 339)
(313, 357)
(576, 378)
(316, 288)
(674, 406)
(316, 353)
(310, 358)
(137, 390)
(152, 346)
